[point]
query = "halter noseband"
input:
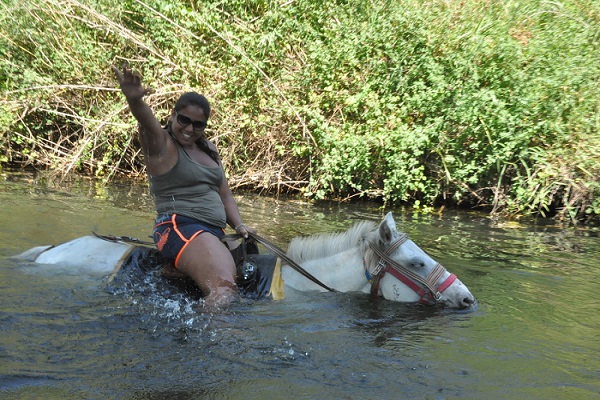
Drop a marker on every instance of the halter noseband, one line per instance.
(426, 288)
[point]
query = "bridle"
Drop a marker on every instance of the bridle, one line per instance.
(426, 288)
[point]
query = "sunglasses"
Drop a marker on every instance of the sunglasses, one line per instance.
(185, 121)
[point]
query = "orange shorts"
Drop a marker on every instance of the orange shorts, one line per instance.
(173, 232)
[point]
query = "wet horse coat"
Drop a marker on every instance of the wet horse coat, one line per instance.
(370, 258)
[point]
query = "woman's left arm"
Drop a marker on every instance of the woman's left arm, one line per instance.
(232, 211)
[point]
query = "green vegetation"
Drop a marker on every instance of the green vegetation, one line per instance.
(475, 103)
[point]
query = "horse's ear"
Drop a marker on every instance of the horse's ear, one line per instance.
(387, 228)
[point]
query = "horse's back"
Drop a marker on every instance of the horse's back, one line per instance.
(88, 253)
(32, 254)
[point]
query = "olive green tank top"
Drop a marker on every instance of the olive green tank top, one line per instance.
(190, 189)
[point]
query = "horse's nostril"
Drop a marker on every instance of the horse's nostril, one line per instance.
(468, 300)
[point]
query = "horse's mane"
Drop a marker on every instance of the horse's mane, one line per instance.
(304, 248)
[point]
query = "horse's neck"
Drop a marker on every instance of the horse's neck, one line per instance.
(334, 259)
(343, 271)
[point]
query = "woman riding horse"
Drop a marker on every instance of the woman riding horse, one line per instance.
(191, 194)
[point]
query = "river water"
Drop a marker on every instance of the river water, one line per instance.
(535, 334)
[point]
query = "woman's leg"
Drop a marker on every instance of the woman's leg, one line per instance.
(209, 263)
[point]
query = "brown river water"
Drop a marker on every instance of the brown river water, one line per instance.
(534, 335)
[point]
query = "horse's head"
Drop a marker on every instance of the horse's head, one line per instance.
(401, 271)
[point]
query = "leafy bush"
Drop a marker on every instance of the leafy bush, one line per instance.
(488, 104)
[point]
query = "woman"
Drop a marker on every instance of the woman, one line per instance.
(192, 197)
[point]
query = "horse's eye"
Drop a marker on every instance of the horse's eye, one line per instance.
(418, 265)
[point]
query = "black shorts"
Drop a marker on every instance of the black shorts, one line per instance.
(172, 233)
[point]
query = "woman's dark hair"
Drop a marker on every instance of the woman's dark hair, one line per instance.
(196, 99)
(193, 99)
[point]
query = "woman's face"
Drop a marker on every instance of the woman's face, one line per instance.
(188, 125)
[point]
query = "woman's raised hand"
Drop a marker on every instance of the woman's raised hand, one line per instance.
(130, 82)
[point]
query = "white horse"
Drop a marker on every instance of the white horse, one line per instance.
(367, 258)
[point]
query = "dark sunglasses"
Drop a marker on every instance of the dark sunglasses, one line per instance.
(185, 121)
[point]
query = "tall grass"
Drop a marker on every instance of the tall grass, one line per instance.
(475, 103)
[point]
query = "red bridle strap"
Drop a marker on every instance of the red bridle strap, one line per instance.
(427, 297)
(426, 288)
(446, 284)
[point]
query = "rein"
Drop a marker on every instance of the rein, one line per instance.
(429, 293)
(270, 246)
(281, 254)
(124, 239)
(425, 287)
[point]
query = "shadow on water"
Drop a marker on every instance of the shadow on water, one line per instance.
(534, 334)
